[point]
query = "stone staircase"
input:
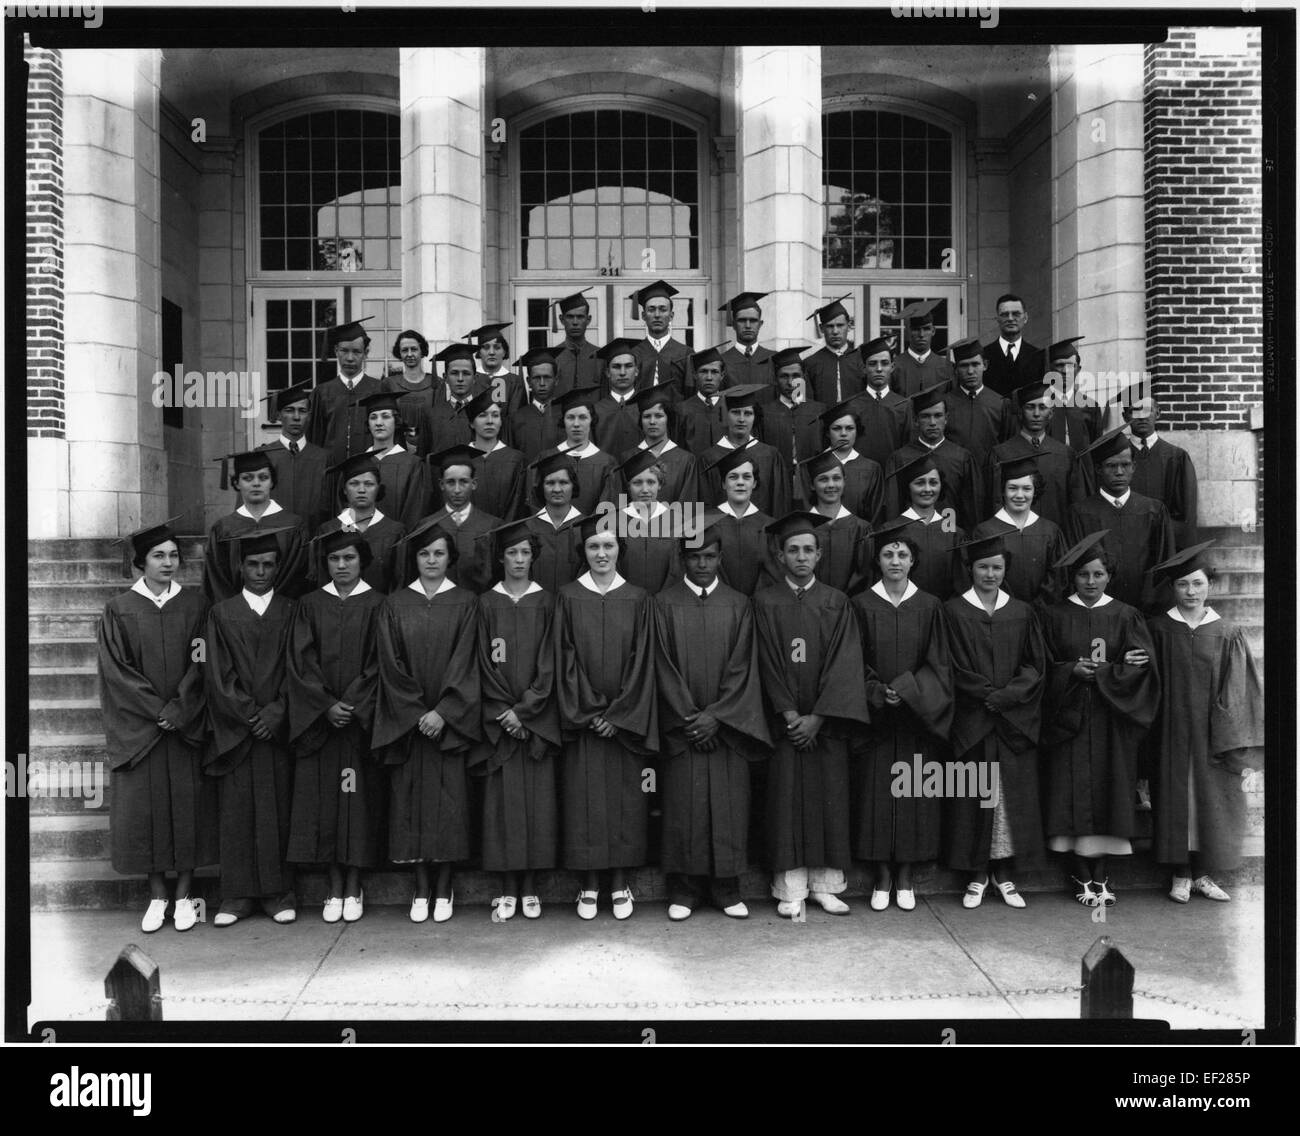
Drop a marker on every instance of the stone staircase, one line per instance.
(71, 580)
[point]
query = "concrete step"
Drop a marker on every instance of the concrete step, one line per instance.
(45, 623)
(74, 777)
(100, 548)
(70, 836)
(1233, 557)
(76, 596)
(63, 682)
(62, 653)
(63, 716)
(47, 571)
(1243, 610)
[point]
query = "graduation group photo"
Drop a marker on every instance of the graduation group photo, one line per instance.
(758, 532)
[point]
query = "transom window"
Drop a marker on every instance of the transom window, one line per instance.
(604, 190)
(888, 191)
(329, 193)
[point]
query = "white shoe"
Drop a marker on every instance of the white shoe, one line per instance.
(622, 903)
(789, 908)
(288, 915)
(879, 899)
(974, 893)
(832, 904)
(532, 907)
(184, 916)
(354, 906)
(504, 907)
(586, 905)
(442, 908)
(419, 909)
(1008, 889)
(906, 898)
(332, 912)
(1208, 888)
(1181, 891)
(678, 911)
(155, 916)
(225, 919)
(736, 911)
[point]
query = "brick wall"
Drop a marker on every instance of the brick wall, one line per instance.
(1203, 129)
(45, 406)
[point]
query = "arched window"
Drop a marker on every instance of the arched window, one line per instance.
(609, 192)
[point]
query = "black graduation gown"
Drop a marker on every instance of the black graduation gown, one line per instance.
(905, 647)
(164, 814)
(516, 664)
(604, 665)
(575, 368)
(1092, 731)
(795, 433)
(652, 556)
(1210, 729)
(406, 488)
(221, 555)
(979, 423)
(771, 495)
(864, 489)
(332, 658)
(244, 674)
(595, 480)
(1078, 427)
(741, 370)
(427, 661)
(964, 487)
(618, 427)
(1062, 475)
(706, 660)
(301, 485)
(833, 378)
(999, 657)
(1031, 553)
(413, 403)
(1141, 535)
(474, 567)
(533, 432)
(336, 420)
(383, 539)
(886, 425)
(560, 559)
(746, 562)
(810, 661)
(846, 554)
(699, 425)
(939, 568)
(444, 425)
(500, 480)
(657, 367)
(1165, 473)
(910, 377)
(681, 475)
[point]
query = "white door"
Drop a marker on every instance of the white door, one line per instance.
(874, 310)
(537, 320)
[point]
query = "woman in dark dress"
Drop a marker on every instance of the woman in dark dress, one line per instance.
(845, 541)
(164, 815)
(427, 716)
(500, 490)
(864, 480)
(938, 570)
(559, 559)
(747, 560)
(361, 490)
(596, 469)
(1033, 542)
(657, 418)
(1102, 696)
(651, 558)
(401, 471)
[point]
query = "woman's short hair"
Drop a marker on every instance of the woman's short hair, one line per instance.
(497, 338)
(534, 546)
(670, 412)
(364, 551)
(1102, 553)
(1006, 559)
(410, 333)
(857, 425)
(912, 546)
(1040, 485)
(453, 549)
(275, 477)
(138, 561)
(379, 492)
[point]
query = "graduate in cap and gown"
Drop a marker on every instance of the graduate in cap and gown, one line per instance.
(1078, 420)
(164, 814)
(702, 417)
(491, 371)
(1063, 482)
(748, 362)
(339, 793)
(604, 684)
(300, 482)
(576, 364)
(427, 714)
(741, 526)
(1161, 470)
(845, 540)
(657, 421)
(938, 569)
(712, 724)
(401, 472)
(864, 480)
(1209, 732)
(516, 755)
(457, 471)
(886, 417)
(834, 373)
(446, 423)
(500, 475)
(254, 479)
(810, 668)
(788, 422)
(909, 690)
(413, 385)
(535, 427)
(596, 468)
(360, 491)
(999, 666)
(244, 675)
(559, 558)
(919, 367)
(1141, 533)
(616, 428)
(651, 531)
(660, 358)
(1033, 543)
(337, 420)
(978, 417)
(772, 493)
(1102, 697)
(963, 484)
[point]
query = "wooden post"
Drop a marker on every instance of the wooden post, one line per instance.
(133, 988)
(1107, 982)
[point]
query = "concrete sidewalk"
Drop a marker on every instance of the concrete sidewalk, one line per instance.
(939, 961)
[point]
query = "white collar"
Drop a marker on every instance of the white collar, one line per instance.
(587, 582)
(141, 588)
(302, 442)
(461, 515)
(788, 403)
(879, 588)
(1211, 616)
(1006, 344)
(658, 511)
(259, 604)
(627, 396)
(658, 344)
(838, 352)
(533, 586)
(729, 509)
(789, 583)
(541, 408)
(919, 358)
(1074, 599)
(446, 586)
(543, 515)
(1006, 518)
(669, 444)
(348, 518)
(497, 445)
(912, 515)
(504, 369)
(853, 456)
(393, 449)
(878, 395)
(929, 446)
(727, 444)
(585, 452)
(271, 509)
(704, 398)
(973, 599)
(842, 513)
(1118, 501)
(970, 393)
(697, 590)
(351, 383)
(1150, 440)
(360, 590)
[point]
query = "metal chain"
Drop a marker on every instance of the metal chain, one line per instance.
(1171, 1001)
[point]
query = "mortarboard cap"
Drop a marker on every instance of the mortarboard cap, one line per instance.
(480, 403)
(573, 303)
(352, 467)
(1184, 563)
(425, 533)
(730, 460)
(1032, 392)
(535, 356)
(742, 302)
(336, 540)
(821, 463)
(833, 310)
(548, 464)
(919, 465)
(1111, 444)
(454, 351)
(381, 400)
(890, 531)
(787, 357)
(1064, 349)
(512, 532)
(741, 396)
(795, 524)
(299, 392)
(1025, 465)
(601, 521)
(929, 397)
(136, 544)
(460, 454)
(839, 410)
(256, 541)
(615, 347)
(965, 349)
(650, 291)
(346, 331)
(876, 346)
(1078, 552)
(637, 463)
(973, 550)
(232, 465)
(578, 396)
(921, 312)
(488, 331)
(707, 531)
(708, 355)
(659, 394)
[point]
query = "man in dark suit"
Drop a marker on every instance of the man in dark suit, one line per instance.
(748, 362)
(836, 372)
(659, 356)
(1011, 361)
(576, 364)
(1162, 470)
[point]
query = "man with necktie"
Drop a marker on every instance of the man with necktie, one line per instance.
(576, 364)
(919, 367)
(836, 372)
(748, 362)
(299, 465)
(1012, 361)
(659, 356)
(336, 421)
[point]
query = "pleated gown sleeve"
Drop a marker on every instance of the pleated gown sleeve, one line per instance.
(927, 689)
(1237, 715)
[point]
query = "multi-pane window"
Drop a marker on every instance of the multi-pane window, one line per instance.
(329, 193)
(888, 191)
(295, 333)
(609, 189)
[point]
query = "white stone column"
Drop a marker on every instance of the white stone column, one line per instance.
(117, 470)
(779, 162)
(1098, 232)
(442, 190)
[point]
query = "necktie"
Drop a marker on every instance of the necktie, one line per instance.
(1142, 445)
(704, 595)
(1117, 504)
(293, 448)
(1011, 354)
(1037, 442)
(798, 593)
(749, 352)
